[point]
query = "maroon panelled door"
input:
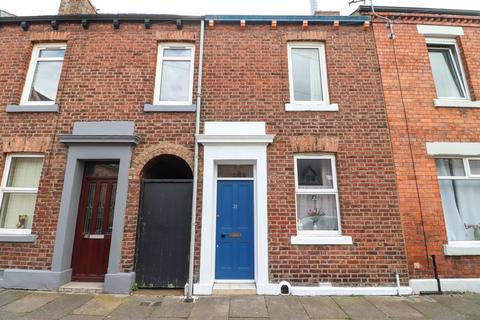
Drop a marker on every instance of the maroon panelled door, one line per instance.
(94, 222)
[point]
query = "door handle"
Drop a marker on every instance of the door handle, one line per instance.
(223, 235)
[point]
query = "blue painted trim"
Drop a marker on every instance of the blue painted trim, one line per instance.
(269, 18)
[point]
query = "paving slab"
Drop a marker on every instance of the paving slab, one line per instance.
(30, 302)
(101, 305)
(135, 308)
(461, 304)
(81, 317)
(322, 308)
(396, 308)
(248, 307)
(285, 307)
(359, 308)
(432, 309)
(5, 315)
(59, 307)
(9, 296)
(172, 307)
(210, 308)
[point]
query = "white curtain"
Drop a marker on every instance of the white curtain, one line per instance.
(446, 79)
(25, 172)
(461, 205)
(15, 205)
(317, 212)
(307, 82)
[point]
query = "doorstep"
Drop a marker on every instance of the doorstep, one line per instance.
(234, 289)
(82, 287)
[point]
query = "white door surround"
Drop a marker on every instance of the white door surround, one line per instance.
(238, 143)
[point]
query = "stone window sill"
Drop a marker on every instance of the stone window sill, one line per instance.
(311, 107)
(462, 248)
(17, 237)
(170, 108)
(31, 108)
(321, 240)
(460, 103)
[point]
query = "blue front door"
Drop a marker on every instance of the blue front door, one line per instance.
(234, 256)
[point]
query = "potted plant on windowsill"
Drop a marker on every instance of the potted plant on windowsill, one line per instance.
(476, 230)
(313, 215)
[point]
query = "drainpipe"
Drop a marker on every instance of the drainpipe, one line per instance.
(189, 297)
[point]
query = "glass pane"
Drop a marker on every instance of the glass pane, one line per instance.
(101, 208)
(25, 172)
(89, 207)
(474, 166)
(175, 84)
(112, 207)
(450, 167)
(317, 212)
(45, 81)
(460, 202)
(52, 53)
(235, 171)
(17, 210)
(177, 53)
(95, 169)
(446, 79)
(314, 173)
(307, 84)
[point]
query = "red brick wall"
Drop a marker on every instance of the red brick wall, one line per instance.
(107, 75)
(246, 78)
(425, 123)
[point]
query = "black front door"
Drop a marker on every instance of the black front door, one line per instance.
(163, 240)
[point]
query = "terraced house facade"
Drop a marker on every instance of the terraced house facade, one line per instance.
(431, 86)
(273, 134)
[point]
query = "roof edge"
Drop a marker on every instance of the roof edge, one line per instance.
(363, 9)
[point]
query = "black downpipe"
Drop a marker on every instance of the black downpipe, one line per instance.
(434, 263)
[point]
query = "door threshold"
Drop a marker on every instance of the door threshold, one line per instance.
(234, 288)
(82, 287)
(235, 281)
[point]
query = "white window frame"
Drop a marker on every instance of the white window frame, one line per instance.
(319, 191)
(4, 189)
(466, 165)
(321, 105)
(158, 76)
(460, 73)
(32, 68)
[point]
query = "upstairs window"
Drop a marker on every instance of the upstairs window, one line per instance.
(174, 78)
(459, 181)
(18, 191)
(316, 195)
(447, 69)
(43, 74)
(307, 72)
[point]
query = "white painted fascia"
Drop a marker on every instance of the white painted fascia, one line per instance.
(439, 31)
(202, 289)
(453, 148)
(462, 248)
(311, 107)
(456, 103)
(448, 285)
(350, 291)
(321, 240)
(242, 128)
(235, 139)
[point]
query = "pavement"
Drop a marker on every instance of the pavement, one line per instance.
(37, 305)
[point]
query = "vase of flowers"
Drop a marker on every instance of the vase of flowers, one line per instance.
(476, 230)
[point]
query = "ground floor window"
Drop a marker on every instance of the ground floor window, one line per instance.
(18, 192)
(459, 182)
(316, 195)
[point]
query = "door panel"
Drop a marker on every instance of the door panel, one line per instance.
(163, 241)
(234, 232)
(94, 226)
